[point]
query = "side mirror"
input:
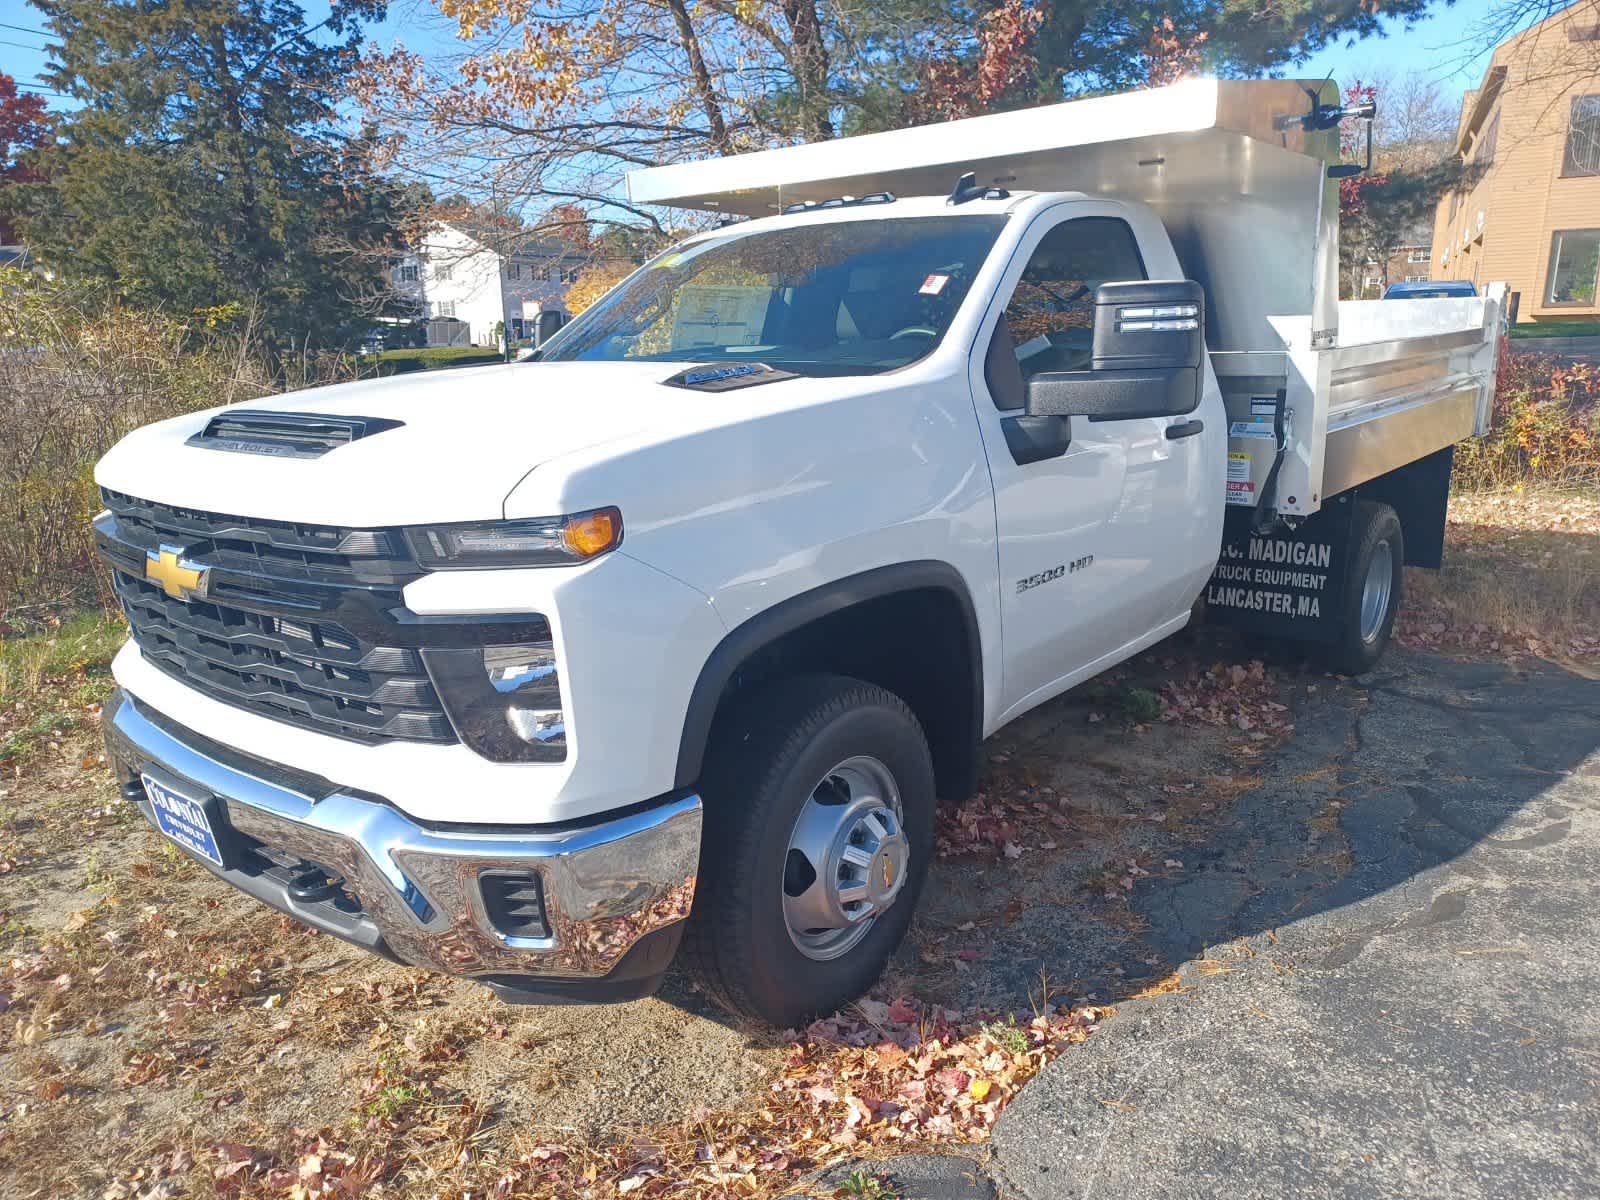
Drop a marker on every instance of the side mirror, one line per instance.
(1149, 343)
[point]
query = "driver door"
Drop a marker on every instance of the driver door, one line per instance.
(1096, 544)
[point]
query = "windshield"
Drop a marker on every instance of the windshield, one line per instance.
(836, 298)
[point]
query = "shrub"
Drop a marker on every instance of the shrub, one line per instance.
(77, 371)
(401, 362)
(1545, 426)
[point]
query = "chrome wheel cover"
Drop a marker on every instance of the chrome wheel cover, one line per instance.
(847, 860)
(1375, 590)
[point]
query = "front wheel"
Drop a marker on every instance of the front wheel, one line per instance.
(819, 801)
(1373, 590)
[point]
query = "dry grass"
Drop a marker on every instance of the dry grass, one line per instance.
(1167, 985)
(76, 373)
(1521, 575)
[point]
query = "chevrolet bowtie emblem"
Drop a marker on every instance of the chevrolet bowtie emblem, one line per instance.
(178, 577)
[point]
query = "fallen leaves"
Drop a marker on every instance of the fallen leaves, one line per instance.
(881, 1074)
(1232, 695)
(902, 1071)
(1004, 823)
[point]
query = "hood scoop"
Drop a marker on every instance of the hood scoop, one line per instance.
(285, 434)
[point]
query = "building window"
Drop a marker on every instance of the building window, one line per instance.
(444, 308)
(1455, 206)
(442, 271)
(1583, 138)
(513, 270)
(1574, 267)
(1418, 254)
(1416, 279)
(405, 273)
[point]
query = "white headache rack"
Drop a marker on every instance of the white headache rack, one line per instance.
(1239, 177)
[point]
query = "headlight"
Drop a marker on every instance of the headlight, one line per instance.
(504, 701)
(537, 542)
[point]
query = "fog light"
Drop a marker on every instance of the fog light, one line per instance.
(504, 701)
(537, 724)
(514, 903)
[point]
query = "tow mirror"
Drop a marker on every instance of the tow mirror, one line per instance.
(1149, 342)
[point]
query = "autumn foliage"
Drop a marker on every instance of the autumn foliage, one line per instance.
(1546, 426)
(953, 86)
(1170, 55)
(594, 282)
(22, 128)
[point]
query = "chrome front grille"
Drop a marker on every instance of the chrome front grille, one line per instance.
(301, 623)
(280, 549)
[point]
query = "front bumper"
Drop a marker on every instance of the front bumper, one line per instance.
(614, 893)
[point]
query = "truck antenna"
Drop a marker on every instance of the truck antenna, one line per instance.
(967, 188)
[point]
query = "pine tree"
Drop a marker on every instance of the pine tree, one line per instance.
(207, 165)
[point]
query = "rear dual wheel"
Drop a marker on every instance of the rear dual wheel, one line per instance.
(819, 801)
(1373, 589)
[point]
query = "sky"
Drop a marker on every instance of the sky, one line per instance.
(1442, 45)
(1445, 47)
(21, 43)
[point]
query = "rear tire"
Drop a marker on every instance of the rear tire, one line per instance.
(1373, 590)
(819, 799)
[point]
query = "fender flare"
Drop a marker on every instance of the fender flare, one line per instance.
(783, 618)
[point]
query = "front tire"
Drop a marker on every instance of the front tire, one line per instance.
(1373, 590)
(819, 798)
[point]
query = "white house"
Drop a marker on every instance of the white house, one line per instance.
(473, 289)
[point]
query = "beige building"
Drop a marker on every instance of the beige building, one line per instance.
(1533, 128)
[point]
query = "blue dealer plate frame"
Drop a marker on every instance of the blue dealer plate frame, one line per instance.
(183, 819)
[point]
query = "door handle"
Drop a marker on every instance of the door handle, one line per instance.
(1033, 439)
(1184, 429)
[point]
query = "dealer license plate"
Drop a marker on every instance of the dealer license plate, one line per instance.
(182, 819)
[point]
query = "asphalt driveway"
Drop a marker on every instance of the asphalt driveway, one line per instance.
(1390, 971)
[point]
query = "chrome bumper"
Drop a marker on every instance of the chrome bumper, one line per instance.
(606, 886)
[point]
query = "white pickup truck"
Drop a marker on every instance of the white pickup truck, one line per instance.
(666, 642)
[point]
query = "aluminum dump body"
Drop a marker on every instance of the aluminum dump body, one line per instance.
(1242, 187)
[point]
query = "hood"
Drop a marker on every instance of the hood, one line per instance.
(437, 445)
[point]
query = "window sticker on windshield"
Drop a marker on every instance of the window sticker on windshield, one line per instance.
(719, 316)
(933, 285)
